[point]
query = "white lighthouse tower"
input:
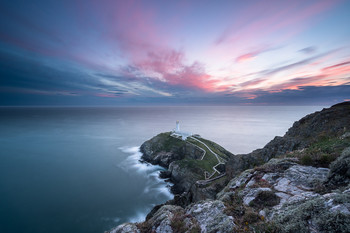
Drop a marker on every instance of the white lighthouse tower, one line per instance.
(180, 134)
(177, 129)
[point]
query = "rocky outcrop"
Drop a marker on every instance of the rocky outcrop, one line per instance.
(288, 180)
(181, 158)
(330, 122)
(204, 216)
(126, 228)
(211, 217)
(268, 190)
(340, 170)
(162, 150)
(326, 213)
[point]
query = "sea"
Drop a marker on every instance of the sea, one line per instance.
(77, 169)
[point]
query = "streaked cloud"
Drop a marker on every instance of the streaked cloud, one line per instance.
(144, 49)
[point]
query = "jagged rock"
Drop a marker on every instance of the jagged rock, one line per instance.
(332, 121)
(163, 149)
(299, 179)
(281, 190)
(238, 181)
(327, 213)
(208, 191)
(161, 220)
(211, 217)
(251, 194)
(126, 228)
(182, 177)
(339, 174)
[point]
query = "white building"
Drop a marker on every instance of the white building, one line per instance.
(178, 133)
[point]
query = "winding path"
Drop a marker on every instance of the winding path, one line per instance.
(207, 175)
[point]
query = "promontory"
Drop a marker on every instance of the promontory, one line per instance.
(296, 183)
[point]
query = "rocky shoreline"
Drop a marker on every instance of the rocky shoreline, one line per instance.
(296, 183)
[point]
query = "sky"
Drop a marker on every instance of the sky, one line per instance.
(156, 52)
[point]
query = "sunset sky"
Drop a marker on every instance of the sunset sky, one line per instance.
(73, 52)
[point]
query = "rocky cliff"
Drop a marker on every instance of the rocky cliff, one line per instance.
(184, 163)
(296, 183)
(311, 129)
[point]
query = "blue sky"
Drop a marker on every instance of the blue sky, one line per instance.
(174, 52)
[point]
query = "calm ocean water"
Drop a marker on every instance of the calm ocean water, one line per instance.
(77, 170)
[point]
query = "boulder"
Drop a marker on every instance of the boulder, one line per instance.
(125, 228)
(211, 217)
(339, 174)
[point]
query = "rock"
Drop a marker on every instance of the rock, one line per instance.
(183, 177)
(210, 216)
(331, 122)
(161, 220)
(252, 194)
(126, 228)
(345, 135)
(237, 182)
(327, 213)
(163, 149)
(339, 174)
(298, 179)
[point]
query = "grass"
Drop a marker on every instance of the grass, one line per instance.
(196, 166)
(265, 199)
(322, 152)
(214, 147)
(168, 142)
(209, 160)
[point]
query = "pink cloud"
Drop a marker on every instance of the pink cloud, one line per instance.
(275, 23)
(148, 50)
(246, 57)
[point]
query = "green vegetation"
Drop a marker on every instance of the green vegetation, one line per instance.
(144, 227)
(209, 160)
(216, 148)
(322, 152)
(168, 143)
(196, 166)
(265, 199)
(178, 224)
(246, 218)
(339, 174)
(297, 216)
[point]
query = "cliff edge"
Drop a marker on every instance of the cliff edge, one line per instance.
(296, 183)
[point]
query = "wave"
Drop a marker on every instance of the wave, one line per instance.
(154, 186)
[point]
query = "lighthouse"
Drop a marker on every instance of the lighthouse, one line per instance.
(177, 129)
(180, 134)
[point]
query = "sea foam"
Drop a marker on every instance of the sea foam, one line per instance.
(154, 186)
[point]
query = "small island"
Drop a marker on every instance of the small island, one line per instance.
(296, 183)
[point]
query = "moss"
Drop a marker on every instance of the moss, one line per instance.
(177, 223)
(265, 227)
(168, 143)
(216, 148)
(339, 174)
(322, 152)
(250, 217)
(144, 227)
(298, 216)
(265, 199)
(306, 160)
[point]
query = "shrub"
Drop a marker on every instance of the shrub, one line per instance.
(298, 216)
(265, 199)
(144, 227)
(177, 223)
(306, 160)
